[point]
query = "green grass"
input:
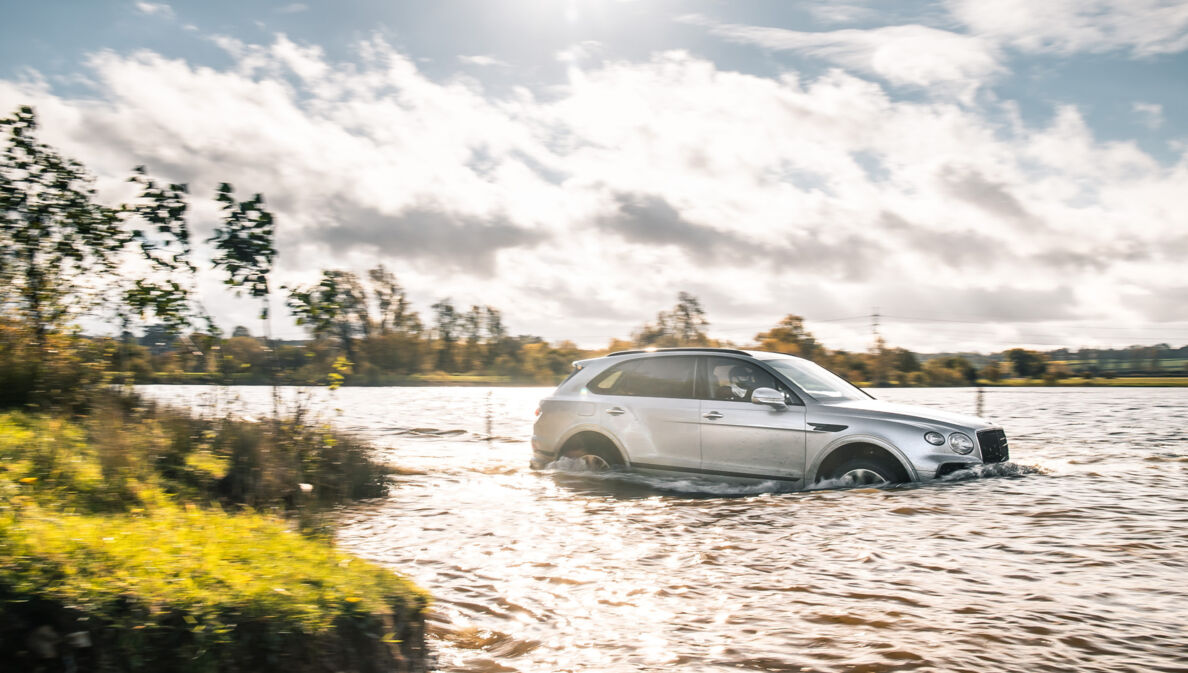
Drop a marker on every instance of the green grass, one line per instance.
(114, 524)
(194, 589)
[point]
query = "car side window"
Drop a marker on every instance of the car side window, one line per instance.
(732, 380)
(605, 382)
(649, 377)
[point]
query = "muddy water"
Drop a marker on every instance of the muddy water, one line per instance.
(1074, 556)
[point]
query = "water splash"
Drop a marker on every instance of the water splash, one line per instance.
(992, 470)
(570, 473)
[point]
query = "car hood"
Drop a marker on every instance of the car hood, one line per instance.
(904, 412)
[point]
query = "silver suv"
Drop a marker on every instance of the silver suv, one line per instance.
(740, 414)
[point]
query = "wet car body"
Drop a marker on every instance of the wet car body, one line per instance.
(749, 415)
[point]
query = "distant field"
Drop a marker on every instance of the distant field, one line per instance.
(1118, 382)
(1165, 364)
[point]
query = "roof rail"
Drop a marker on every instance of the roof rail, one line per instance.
(709, 349)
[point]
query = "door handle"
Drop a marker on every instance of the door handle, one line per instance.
(711, 415)
(616, 411)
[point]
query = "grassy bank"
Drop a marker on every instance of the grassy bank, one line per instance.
(138, 538)
(194, 590)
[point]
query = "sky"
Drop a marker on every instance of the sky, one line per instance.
(981, 175)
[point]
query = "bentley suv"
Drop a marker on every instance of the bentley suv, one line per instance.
(741, 414)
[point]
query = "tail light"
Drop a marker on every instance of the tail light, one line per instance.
(537, 412)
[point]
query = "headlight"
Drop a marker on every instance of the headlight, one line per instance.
(960, 442)
(934, 438)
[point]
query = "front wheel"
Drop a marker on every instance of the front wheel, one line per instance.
(863, 472)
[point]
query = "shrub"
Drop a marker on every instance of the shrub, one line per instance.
(66, 374)
(127, 454)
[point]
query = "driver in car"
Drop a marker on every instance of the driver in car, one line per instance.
(743, 381)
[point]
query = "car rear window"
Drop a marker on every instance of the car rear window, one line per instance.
(649, 377)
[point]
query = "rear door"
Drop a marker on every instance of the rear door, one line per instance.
(744, 439)
(649, 405)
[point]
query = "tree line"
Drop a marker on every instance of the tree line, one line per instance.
(65, 256)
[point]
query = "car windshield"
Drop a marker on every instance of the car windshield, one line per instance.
(815, 380)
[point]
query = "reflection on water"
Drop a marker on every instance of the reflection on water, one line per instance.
(1071, 557)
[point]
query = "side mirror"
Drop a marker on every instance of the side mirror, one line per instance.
(769, 396)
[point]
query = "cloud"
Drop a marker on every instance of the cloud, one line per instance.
(1160, 305)
(582, 51)
(293, 8)
(840, 12)
(1142, 27)
(1149, 114)
(1000, 303)
(650, 220)
(993, 197)
(911, 55)
(956, 249)
(428, 235)
(481, 60)
(635, 179)
(155, 9)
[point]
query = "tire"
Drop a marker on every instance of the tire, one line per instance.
(595, 463)
(863, 472)
(597, 454)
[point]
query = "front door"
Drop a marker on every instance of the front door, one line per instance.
(743, 439)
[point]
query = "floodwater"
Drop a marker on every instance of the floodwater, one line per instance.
(1071, 557)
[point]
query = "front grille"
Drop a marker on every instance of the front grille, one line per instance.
(994, 446)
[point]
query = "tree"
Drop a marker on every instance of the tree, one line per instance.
(992, 372)
(1027, 364)
(62, 253)
(937, 372)
(688, 321)
(244, 246)
(472, 328)
(395, 314)
(880, 358)
(336, 306)
(166, 245)
(684, 325)
(446, 327)
(963, 367)
(789, 336)
(497, 337)
(904, 361)
(53, 235)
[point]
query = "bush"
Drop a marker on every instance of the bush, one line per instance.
(127, 454)
(66, 374)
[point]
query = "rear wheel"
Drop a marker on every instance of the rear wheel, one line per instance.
(595, 452)
(595, 463)
(863, 472)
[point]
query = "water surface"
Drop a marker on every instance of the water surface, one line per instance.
(1073, 556)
